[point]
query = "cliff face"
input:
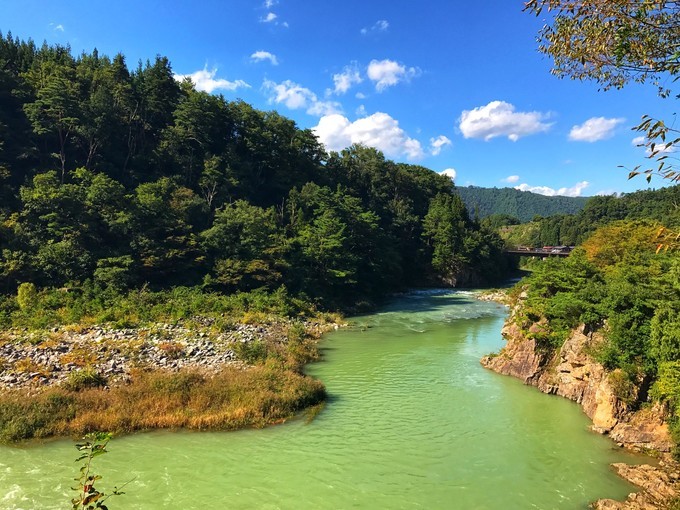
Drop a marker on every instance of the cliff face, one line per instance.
(573, 373)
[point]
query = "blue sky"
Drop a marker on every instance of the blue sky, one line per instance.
(453, 86)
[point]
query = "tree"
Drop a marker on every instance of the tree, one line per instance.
(55, 110)
(615, 43)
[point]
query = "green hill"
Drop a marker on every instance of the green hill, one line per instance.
(523, 205)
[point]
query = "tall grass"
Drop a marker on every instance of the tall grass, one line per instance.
(229, 399)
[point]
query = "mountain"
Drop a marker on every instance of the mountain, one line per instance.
(523, 205)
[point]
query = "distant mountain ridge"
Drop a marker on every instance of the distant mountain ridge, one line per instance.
(523, 205)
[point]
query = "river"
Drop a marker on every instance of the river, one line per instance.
(412, 421)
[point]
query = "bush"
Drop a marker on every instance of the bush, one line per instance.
(27, 296)
(84, 378)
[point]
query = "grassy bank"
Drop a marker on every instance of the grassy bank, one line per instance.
(263, 385)
(230, 399)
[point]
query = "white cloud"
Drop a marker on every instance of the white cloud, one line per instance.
(380, 26)
(606, 193)
(349, 76)
(511, 179)
(379, 130)
(360, 95)
(204, 80)
(437, 144)
(260, 56)
(269, 18)
(574, 191)
(361, 111)
(594, 129)
(296, 97)
(659, 148)
(57, 27)
(268, 4)
(387, 73)
(499, 118)
(449, 172)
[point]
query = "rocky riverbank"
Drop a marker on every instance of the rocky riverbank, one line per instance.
(571, 372)
(42, 359)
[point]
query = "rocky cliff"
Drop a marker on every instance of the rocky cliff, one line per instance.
(572, 372)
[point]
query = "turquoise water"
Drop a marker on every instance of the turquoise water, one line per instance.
(413, 421)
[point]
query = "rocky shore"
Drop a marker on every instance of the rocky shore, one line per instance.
(572, 373)
(34, 360)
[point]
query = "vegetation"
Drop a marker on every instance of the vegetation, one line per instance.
(114, 179)
(522, 205)
(662, 205)
(615, 283)
(225, 398)
(89, 497)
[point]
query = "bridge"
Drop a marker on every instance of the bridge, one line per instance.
(546, 251)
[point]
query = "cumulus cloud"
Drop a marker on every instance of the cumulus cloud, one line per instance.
(268, 4)
(57, 27)
(204, 80)
(378, 130)
(349, 76)
(269, 18)
(297, 97)
(380, 26)
(260, 56)
(594, 129)
(449, 172)
(437, 144)
(499, 118)
(574, 191)
(511, 179)
(387, 73)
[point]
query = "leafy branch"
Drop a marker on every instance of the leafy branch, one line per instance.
(89, 497)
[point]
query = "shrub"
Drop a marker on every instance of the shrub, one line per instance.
(27, 296)
(84, 378)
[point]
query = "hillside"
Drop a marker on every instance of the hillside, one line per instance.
(523, 205)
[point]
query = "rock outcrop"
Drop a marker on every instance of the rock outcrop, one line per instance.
(659, 487)
(573, 373)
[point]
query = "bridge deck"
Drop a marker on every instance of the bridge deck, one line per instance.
(539, 253)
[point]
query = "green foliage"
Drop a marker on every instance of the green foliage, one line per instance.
(253, 352)
(84, 378)
(90, 497)
(653, 206)
(665, 334)
(160, 185)
(616, 284)
(666, 388)
(26, 296)
(513, 203)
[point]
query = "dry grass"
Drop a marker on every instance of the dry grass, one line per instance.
(230, 399)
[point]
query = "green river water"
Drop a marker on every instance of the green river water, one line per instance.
(412, 421)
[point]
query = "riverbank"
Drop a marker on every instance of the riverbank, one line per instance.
(195, 374)
(573, 373)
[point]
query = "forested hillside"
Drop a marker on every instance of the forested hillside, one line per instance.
(116, 178)
(522, 205)
(662, 205)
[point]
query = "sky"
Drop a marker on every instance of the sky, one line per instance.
(457, 87)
